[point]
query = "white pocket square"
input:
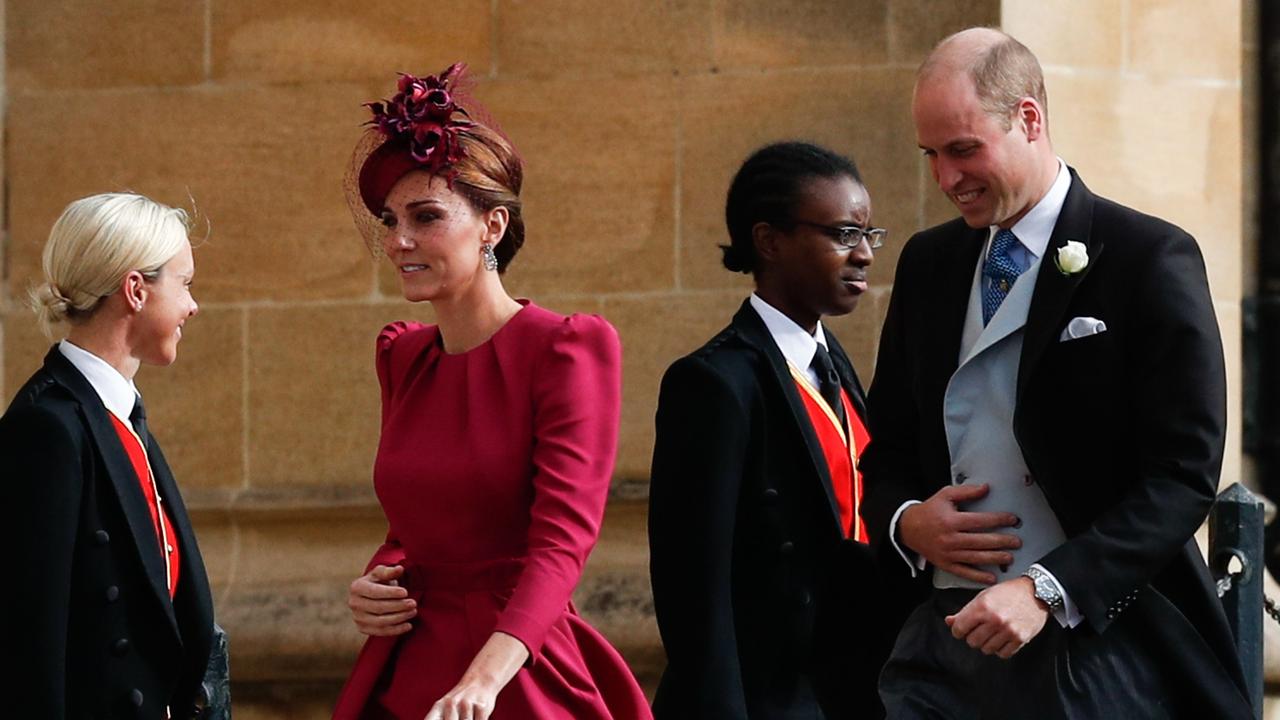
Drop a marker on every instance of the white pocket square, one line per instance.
(1082, 327)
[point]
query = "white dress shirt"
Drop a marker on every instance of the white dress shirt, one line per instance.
(117, 393)
(796, 344)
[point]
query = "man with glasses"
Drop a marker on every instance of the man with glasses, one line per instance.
(1049, 415)
(765, 593)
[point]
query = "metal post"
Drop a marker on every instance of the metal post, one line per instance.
(1235, 533)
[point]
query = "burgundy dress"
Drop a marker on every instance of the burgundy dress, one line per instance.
(493, 469)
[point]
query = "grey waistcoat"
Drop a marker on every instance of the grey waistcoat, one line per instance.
(978, 412)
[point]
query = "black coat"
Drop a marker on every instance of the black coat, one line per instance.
(1123, 430)
(89, 629)
(765, 609)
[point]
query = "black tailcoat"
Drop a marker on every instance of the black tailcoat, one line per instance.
(1123, 430)
(765, 609)
(89, 629)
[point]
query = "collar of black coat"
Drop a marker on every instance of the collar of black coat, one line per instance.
(1055, 288)
(748, 326)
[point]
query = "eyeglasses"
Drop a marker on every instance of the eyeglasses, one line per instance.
(849, 237)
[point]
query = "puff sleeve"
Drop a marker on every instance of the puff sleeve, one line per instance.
(390, 552)
(577, 393)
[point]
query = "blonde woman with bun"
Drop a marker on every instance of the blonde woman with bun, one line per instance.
(108, 611)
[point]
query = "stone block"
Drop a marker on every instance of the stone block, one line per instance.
(859, 331)
(1251, 180)
(196, 407)
(24, 348)
(566, 304)
(1230, 321)
(219, 548)
(599, 181)
(614, 593)
(281, 550)
(284, 701)
(1169, 149)
(1250, 19)
(1223, 223)
(580, 37)
(915, 26)
(67, 44)
(263, 164)
(287, 613)
(299, 41)
(1185, 38)
(655, 332)
(806, 33)
(1086, 34)
(313, 392)
(863, 113)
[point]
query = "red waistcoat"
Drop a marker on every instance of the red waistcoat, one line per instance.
(138, 457)
(841, 455)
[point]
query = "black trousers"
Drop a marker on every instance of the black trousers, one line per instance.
(1075, 674)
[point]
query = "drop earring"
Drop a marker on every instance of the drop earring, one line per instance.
(489, 258)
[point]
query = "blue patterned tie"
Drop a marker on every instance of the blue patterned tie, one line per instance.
(1000, 272)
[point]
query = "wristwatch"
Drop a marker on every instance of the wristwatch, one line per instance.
(1046, 589)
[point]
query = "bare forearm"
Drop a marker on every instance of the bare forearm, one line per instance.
(476, 693)
(498, 661)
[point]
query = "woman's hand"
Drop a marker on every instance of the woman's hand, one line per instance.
(493, 667)
(379, 606)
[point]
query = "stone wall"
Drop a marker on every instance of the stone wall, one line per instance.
(631, 116)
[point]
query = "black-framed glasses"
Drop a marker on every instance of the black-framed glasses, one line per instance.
(849, 237)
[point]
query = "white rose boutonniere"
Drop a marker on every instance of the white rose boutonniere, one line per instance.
(1072, 258)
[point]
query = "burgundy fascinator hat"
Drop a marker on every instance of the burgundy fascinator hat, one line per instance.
(416, 129)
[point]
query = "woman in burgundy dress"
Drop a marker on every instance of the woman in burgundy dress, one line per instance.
(499, 426)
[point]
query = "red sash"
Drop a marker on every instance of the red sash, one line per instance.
(841, 456)
(138, 457)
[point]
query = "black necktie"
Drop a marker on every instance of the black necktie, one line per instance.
(829, 382)
(139, 419)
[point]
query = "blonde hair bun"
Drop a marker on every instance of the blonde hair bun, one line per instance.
(49, 304)
(96, 242)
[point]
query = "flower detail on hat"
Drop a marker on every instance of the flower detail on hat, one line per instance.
(423, 112)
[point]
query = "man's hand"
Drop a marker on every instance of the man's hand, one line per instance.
(1001, 619)
(958, 541)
